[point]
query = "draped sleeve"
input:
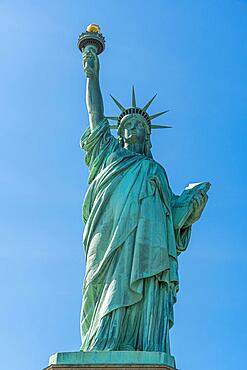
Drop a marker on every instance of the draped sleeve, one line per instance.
(182, 238)
(98, 144)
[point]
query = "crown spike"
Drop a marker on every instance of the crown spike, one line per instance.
(114, 118)
(118, 104)
(148, 103)
(133, 97)
(157, 115)
(159, 126)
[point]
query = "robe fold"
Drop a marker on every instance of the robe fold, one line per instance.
(131, 249)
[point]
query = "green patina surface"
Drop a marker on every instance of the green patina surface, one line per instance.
(135, 229)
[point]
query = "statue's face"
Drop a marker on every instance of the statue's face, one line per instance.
(133, 129)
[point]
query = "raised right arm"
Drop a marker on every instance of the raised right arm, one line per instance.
(94, 99)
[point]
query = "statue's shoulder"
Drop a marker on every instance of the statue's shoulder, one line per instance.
(159, 171)
(157, 166)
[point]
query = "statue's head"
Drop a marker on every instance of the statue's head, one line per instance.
(134, 125)
(134, 129)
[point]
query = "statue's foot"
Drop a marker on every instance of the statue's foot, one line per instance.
(126, 347)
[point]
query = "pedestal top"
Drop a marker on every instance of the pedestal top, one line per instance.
(111, 360)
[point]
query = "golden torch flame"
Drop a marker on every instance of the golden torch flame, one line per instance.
(93, 28)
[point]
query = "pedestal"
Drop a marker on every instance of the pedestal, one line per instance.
(112, 360)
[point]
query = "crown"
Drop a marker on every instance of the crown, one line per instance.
(135, 110)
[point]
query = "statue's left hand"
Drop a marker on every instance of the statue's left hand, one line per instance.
(199, 201)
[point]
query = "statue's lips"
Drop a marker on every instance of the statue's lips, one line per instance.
(132, 138)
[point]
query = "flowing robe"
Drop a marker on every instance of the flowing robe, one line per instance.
(131, 249)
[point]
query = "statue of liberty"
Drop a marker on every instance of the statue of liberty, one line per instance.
(135, 227)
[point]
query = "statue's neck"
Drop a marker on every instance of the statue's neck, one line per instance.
(135, 147)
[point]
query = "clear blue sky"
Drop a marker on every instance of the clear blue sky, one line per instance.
(193, 54)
